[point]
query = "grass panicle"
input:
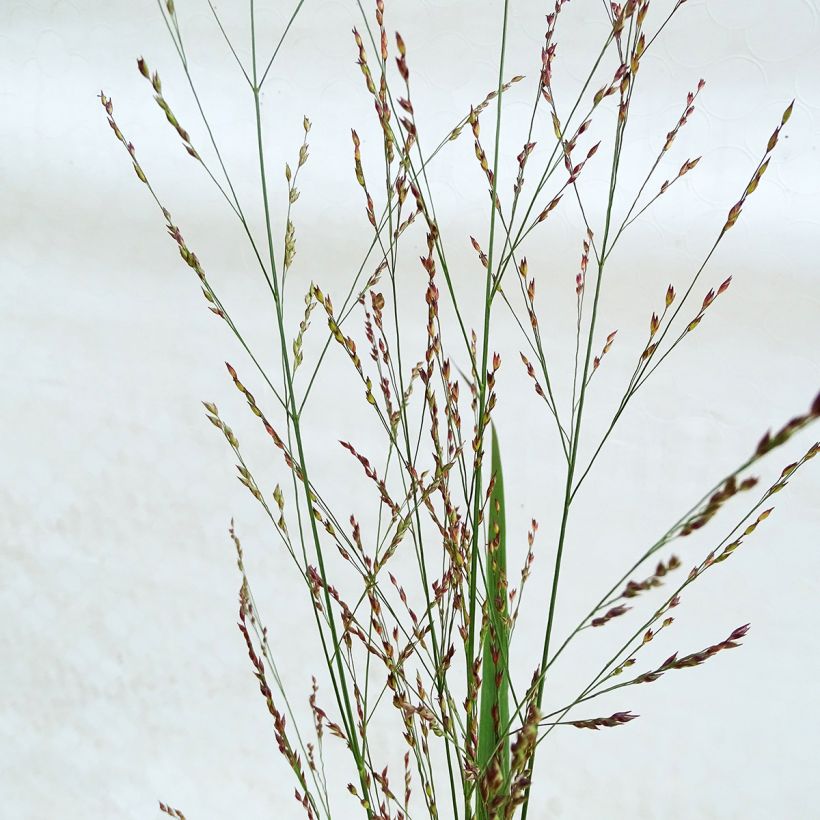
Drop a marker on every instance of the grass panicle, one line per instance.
(412, 610)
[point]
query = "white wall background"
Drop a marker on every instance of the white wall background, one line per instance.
(123, 677)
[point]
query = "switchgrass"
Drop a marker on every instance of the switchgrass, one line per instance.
(415, 609)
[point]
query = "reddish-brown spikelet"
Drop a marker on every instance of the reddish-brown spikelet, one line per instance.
(735, 211)
(617, 719)
(697, 658)
(481, 255)
(609, 615)
(401, 62)
(362, 63)
(596, 362)
(635, 588)
(156, 84)
(770, 442)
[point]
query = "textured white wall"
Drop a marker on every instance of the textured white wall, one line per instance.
(123, 677)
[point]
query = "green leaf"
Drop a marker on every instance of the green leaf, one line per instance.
(493, 745)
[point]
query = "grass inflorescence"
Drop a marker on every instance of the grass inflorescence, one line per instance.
(427, 631)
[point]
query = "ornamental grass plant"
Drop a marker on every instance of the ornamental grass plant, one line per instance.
(417, 595)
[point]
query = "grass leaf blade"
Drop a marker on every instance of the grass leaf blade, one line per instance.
(495, 683)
